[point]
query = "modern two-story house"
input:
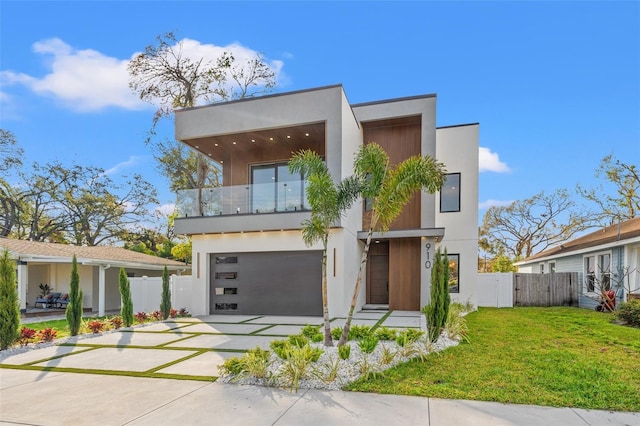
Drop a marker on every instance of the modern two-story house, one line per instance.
(248, 252)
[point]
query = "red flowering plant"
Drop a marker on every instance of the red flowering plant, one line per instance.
(116, 322)
(27, 335)
(96, 326)
(47, 335)
(141, 317)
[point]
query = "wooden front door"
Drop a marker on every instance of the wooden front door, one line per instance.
(378, 274)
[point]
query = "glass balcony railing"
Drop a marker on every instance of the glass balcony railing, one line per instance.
(243, 199)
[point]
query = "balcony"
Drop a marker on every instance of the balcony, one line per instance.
(242, 208)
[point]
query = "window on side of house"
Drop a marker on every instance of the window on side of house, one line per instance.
(450, 194)
(552, 267)
(597, 272)
(542, 268)
(454, 273)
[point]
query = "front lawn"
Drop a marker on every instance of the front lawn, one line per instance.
(563, 357)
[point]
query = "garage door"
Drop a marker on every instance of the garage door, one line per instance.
(266, 283)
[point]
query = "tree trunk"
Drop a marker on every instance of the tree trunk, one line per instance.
(328, 341)
(354, 299)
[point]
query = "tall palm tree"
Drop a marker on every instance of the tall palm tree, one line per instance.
(389, 190)
(328, 201)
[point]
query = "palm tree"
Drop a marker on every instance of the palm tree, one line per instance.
(328, 202)
(389, 190)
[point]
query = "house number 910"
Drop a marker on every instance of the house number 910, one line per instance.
(427, 264)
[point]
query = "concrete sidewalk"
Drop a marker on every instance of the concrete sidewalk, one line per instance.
(52, 398)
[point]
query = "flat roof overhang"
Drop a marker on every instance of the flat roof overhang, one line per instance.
(437, 233)
(221, 148)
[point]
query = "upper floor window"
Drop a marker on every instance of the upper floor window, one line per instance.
(275, 189)
(597, 272)
(450, 193)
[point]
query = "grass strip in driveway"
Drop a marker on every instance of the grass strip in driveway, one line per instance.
(542, 356)
(111, 372)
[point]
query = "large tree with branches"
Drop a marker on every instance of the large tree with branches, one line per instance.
(166, 76)
(624, 203)
(528, 226)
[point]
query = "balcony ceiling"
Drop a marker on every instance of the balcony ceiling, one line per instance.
(223, 147)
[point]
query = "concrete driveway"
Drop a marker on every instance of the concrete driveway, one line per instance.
(187, 348)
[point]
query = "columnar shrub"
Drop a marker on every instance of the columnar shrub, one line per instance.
(438, 308)
(74, 308)
(126, 310)
(165, 304)
(9, 305)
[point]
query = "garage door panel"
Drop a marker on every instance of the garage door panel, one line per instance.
(274, 283)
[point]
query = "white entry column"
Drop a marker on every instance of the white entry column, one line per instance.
(23, 284)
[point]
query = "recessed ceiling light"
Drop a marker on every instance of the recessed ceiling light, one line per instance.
(215, 144)
(234, 142)
(270, 139)
(306, 134)
(288, 137)
(221, 162)
(253, 140)
(209, 154)
(197, 146)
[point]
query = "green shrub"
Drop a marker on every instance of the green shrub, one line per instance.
(256, 362)
(126, 310)
(386, 333)
(629, 312)
(437, 310)
(298, 340)
(317, 338)
(298, 365)
(282, 348)
(309, 331)
(357, 332)
(165, 303)
(368, 343)
(336, 332)
(74, 308)
(408, 337)
(232, 366)
(9, 304)
(344, 352)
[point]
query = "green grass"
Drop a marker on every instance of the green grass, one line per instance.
(59, 325)
(563, 357)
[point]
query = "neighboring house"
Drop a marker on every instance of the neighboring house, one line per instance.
(606, 259)
(248, 253)
(98, 268)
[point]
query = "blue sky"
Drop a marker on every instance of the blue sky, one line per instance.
(555, 86)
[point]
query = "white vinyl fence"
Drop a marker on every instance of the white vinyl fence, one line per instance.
(146, 293)
(495, 290)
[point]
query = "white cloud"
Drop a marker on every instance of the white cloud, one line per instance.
(132, 161)
(493, 203)
(84, 80)
(87, 80)
(490, 162)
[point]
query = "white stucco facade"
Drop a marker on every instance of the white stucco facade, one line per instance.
(457, 147)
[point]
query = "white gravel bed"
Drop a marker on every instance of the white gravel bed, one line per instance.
(349, 370)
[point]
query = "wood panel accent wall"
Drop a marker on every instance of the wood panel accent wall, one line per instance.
(236, 166)
(404, 274)
(401, 139)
